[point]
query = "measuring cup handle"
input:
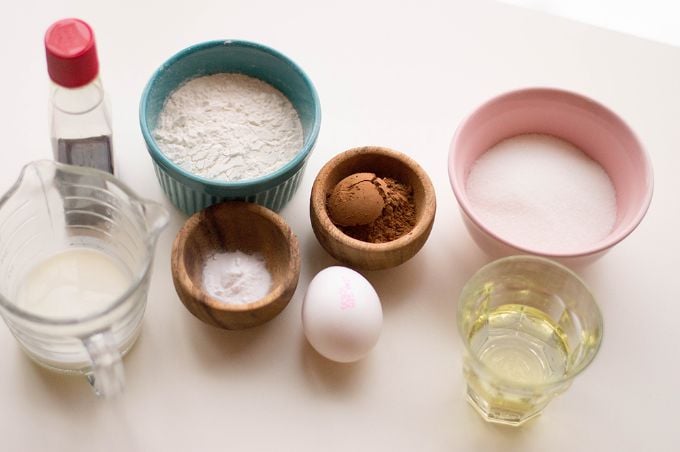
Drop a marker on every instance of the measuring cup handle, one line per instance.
(107, 377)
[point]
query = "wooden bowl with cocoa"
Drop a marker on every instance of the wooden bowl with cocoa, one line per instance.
(372, 207)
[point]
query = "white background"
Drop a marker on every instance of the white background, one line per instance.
(658, 20)
(388, 73)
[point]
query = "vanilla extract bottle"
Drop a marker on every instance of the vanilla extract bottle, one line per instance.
(79, 116)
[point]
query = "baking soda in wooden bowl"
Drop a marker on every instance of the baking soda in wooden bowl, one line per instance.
(236, 277)
(539, 191)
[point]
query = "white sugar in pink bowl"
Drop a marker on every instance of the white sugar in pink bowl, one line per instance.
(568, 117)
(538, 190)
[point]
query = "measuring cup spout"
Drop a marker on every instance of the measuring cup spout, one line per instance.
(156, 217)
(33, 170)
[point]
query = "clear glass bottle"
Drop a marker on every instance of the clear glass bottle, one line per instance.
(79, 116)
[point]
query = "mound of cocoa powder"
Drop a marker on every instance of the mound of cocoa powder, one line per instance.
(398, 215)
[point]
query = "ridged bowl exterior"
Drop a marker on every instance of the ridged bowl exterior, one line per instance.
(190, 200)
(191, 193)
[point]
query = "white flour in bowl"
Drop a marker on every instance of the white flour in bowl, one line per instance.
(228, 127)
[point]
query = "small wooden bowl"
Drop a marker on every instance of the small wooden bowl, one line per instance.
(232, 226)
(384, 163)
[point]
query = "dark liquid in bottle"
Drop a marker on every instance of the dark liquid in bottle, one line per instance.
(91, 152)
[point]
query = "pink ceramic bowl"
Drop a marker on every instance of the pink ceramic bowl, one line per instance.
(588, 125)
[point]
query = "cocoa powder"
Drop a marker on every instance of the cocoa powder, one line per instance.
(398, 216)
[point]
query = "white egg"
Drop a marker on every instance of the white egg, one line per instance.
(341, 314)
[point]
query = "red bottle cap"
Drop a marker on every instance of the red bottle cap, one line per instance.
(71, 53)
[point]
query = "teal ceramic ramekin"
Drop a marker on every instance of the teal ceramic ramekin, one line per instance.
(191, 193)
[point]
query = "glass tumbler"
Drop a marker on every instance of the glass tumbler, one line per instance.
(55, 208)
(529, 326)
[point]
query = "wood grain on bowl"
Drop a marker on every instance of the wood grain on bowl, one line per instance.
(383, 162)
(232, 226)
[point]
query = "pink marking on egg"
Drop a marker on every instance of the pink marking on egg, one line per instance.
(347, 300)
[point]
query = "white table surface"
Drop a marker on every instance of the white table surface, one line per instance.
(388, 74)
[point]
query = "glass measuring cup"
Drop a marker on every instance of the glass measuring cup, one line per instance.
(529, 326)
(55, 209)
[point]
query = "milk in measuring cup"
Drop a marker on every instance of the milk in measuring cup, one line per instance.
(73, 283)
